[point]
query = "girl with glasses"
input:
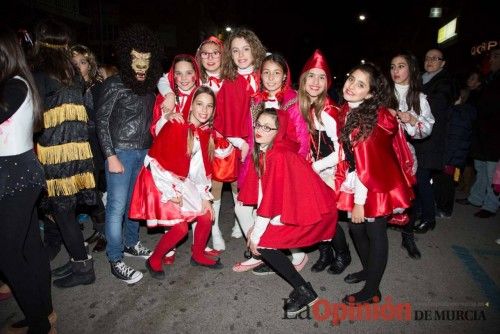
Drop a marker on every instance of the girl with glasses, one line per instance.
(290, 213)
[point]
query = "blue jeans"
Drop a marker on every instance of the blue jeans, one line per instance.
(120, 187)
(481, 193)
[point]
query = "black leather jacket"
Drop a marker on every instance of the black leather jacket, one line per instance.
(123, 118)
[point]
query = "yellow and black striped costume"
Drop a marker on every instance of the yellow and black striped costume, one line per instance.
(63, 147)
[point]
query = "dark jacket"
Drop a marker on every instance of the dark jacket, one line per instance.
(441, 93)
(123, 118)
(485, 145)
(459, 134)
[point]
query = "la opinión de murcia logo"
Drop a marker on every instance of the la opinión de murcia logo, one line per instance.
(324, 310)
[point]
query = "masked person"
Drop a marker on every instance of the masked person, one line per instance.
(123, 120)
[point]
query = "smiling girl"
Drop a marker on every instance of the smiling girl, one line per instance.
(173, 187)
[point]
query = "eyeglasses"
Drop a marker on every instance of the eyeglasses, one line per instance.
(205, 55)
(433, 59)
(264, 128)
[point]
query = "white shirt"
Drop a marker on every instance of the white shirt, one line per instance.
(425, 121)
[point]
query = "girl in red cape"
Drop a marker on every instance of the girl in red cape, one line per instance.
(241, 61)
(290, 213)
(276, 92)
(370, 181)
(173, 187)
(224, 165)
(319, 143)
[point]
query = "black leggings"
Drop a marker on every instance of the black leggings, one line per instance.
(71, 234)
(23, 261)
(372, 245)
(282, 265)
(339, 242)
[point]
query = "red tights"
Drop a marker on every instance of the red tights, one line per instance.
(176, 233)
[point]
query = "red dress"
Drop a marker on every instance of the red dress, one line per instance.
(148, 202)
(379, 170)
(293, 191)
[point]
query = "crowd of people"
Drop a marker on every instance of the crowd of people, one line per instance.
(130, 144)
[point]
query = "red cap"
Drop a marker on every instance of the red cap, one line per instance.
(318, 60)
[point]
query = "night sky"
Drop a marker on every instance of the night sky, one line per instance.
(296, 30)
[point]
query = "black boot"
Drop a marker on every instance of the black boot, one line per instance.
(341, 261)
(82, 274)
(300, 299)
(408, 243)
(63, 270)
(424, 226)
(325, 257)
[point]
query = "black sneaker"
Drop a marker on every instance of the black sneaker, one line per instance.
(127, 274)
(263, 269)
(138, 250)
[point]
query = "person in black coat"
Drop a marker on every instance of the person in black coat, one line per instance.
(439, 88)
(485, 149)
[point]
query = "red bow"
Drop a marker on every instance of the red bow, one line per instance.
(216, 81)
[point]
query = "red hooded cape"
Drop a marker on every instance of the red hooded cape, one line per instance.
(292, 189)
(379, 169)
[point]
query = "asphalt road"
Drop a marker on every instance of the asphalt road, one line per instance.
(454, 288)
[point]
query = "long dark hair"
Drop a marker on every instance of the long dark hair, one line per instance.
(51, 53)
(12, 63)
(415, 84)
(190, 139)
(256, 147)
(364, 117)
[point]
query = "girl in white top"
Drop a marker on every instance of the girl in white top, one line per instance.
(414, 113)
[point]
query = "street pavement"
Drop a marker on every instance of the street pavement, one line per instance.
(453, 288)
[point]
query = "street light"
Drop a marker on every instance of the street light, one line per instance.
(228, 29)
(362, 17)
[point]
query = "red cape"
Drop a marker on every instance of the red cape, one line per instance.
(379, 169)
(170, 148)
(233, 117)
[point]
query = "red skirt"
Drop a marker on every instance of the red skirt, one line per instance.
(146, 204)
(298, 236)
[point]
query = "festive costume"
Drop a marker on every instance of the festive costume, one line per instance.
(378, 169)
(168, 173)
(296, 214)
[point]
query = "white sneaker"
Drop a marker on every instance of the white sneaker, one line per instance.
(138, 251)
(125, 273)
(236, 233)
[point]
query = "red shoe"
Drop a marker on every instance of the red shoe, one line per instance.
(213, 252)
(169, 260)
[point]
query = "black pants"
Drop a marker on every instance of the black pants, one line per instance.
(71, 234)
(444, 192)
(424, 202)
(371, 242)
(282, 265)
(23, 261)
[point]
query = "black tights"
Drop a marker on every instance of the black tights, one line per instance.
(339, 242)
(71, 234)
(282, 265)
(371, 242)
(22, 259)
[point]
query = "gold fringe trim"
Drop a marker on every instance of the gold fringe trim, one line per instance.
(63, 153)
(70, 185)
(54, 46)
(65, 112)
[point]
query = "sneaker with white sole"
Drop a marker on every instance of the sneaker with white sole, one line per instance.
(127, 274)
(138, 251)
